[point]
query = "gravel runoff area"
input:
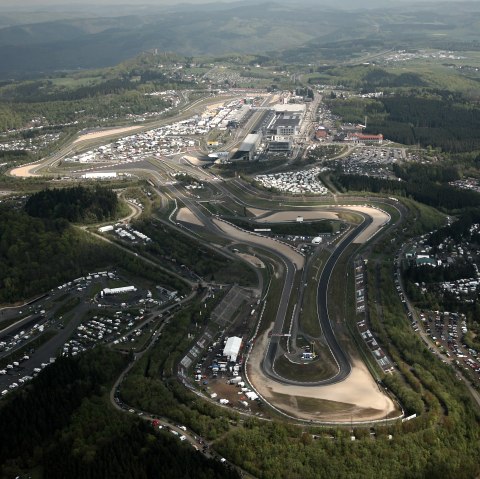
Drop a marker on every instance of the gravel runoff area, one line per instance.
(24, 171)
(357, 398)
(239, 235)
(379, 217)
(94, 135)
(185, 214)
(291, 216)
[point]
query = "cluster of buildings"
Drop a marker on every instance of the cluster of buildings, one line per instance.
(363, 328)
(30, 144)
(233, 114)
(467, 184)
(357, 137)
(462, 287)
(375, 349)
(448, 252)
(295, 182)
(285, 126)
(403, 56)
(140, 146)
(278, 129)
(171, 139)
(125, 232)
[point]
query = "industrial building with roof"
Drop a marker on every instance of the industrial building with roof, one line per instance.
(362, 137)
(248, 147)
(232, 348)
(279, 145)
(285, 124)
(125, 289)
(290, 108)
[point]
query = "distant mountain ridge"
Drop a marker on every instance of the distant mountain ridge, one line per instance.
(222, 28)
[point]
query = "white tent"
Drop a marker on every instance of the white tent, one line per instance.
(232, 348)
(251, 395)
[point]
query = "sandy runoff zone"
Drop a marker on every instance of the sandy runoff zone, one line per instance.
(184, 214)
(102, 133)
(357, 398)
(289, 216)
(294, 256)
(25, 171)
(379, 217)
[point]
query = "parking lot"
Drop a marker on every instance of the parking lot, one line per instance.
(372, 161)
(446, 331)
(223, 381)
(72, 318)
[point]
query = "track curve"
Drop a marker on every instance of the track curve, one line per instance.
(340, 356)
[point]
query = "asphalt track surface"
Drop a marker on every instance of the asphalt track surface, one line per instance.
(341, 358)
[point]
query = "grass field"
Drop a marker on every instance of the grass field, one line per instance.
(321, 368)
(308, 319)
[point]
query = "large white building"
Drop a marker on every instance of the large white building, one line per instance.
(232, 348)
(125, 289)
(99, 175)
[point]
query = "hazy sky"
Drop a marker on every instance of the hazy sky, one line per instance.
(39, 3)
(82, 5)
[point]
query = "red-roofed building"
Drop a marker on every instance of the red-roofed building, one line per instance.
(365, 138)
(321, 134)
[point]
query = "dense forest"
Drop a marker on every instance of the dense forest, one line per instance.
(439, 120)
(427, 192)
(64, 101)
(61, 425)
(458, 230)
(179, 249)
(38, 254)
(427, 274)
(74, 204)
